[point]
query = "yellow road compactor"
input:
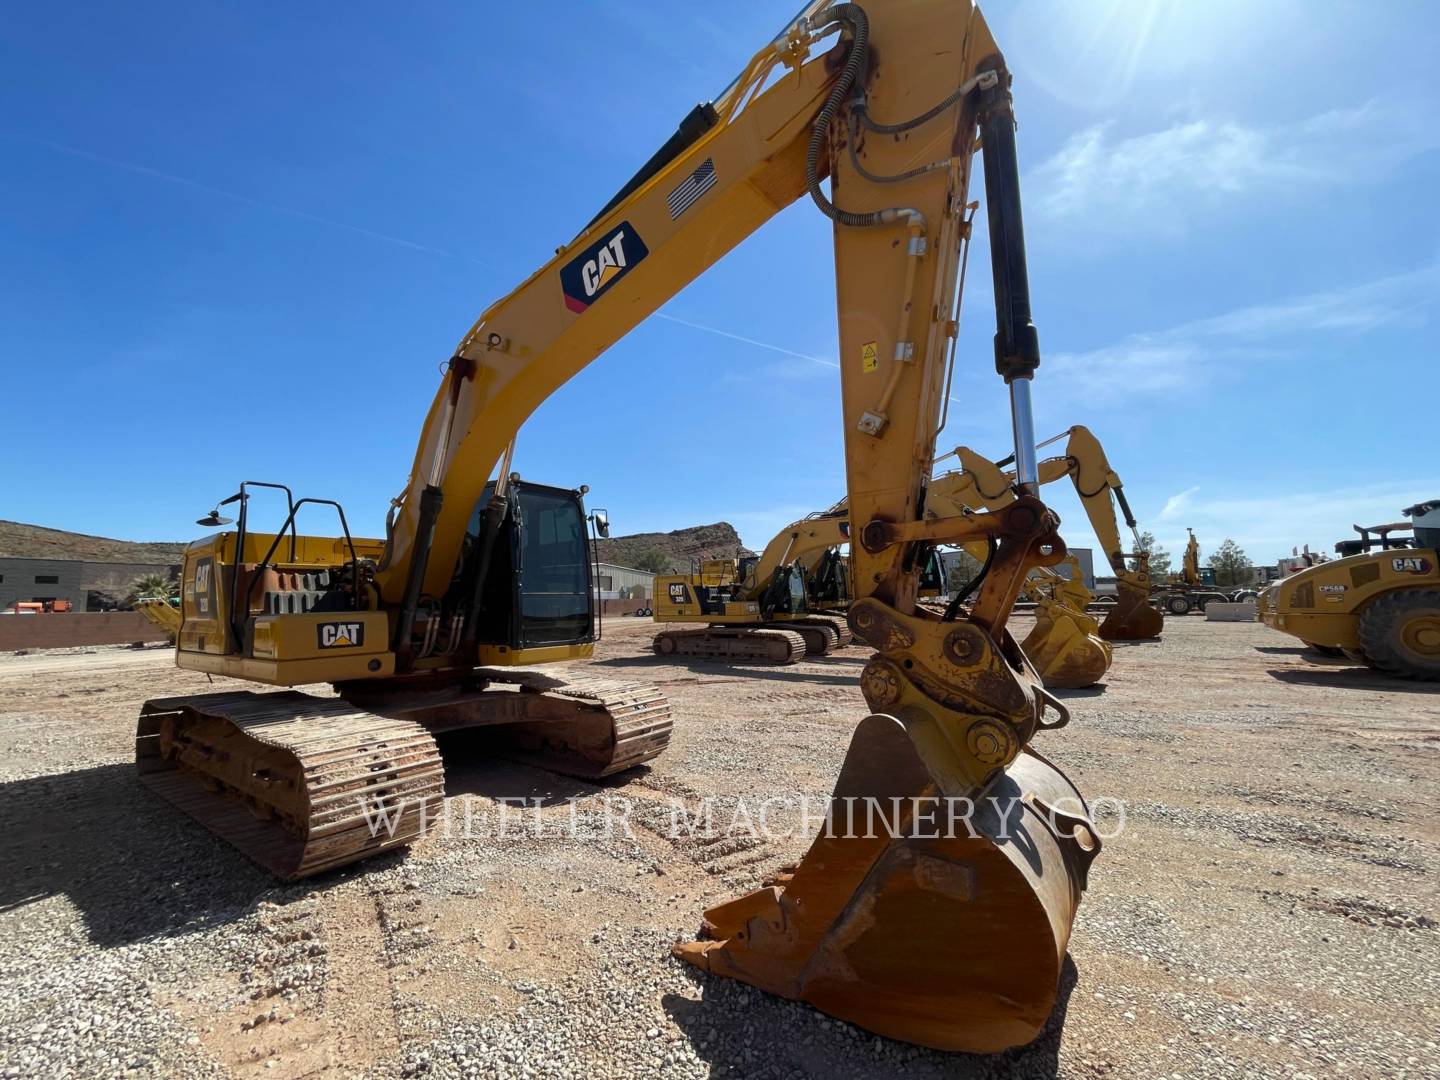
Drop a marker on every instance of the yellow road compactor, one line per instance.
(1378, 604)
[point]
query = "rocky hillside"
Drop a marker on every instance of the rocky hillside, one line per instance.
(20, 541)
(17, 540)
(718, 541)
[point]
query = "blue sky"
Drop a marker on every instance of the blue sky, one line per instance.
(238, 239)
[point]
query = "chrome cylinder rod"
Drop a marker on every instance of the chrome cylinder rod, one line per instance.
(1022, 419)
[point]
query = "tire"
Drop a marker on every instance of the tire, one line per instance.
(1177, 605)
(1399, 633)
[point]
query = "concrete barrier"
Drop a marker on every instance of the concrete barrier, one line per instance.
(76, 628)
(1230, 612)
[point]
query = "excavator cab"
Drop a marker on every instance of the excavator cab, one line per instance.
(830, 580)
(538, 591)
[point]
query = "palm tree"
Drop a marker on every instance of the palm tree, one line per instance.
(153, 585)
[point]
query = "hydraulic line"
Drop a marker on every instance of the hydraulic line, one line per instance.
(854, 19)
(952, 610)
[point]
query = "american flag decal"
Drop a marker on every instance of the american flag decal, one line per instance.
(691, 188)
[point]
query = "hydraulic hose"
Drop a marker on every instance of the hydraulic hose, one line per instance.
(952, 610)
(914, 122)
(854, 19)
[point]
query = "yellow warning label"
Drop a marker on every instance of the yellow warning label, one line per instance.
(869, 356)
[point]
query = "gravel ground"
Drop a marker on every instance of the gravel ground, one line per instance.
(1269, 909)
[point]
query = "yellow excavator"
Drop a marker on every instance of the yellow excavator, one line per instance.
(1379, 604)
(756, 608)
(1064, 644)
(983, 482)
(1193, 588)
(785, 603)
(947, 929)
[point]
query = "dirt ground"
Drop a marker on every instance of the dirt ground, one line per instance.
(1268, 910)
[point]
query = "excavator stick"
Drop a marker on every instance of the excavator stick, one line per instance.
(1132, 618)
(905, 925)
(1065, 648)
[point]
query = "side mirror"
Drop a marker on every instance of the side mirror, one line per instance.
(601, 518)
(213, 520)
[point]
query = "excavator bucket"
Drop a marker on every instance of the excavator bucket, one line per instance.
(1065, 649)
(1132, 619)
(911, 917)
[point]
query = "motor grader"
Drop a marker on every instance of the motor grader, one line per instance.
(1378, 604)
(953, 938)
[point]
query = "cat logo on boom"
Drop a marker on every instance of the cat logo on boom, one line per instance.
(585, 278)
(341, 635)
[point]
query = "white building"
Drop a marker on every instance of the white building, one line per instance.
(623, 583)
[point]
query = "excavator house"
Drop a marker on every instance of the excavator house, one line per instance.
(954, 940)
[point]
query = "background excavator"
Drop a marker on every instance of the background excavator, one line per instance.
(951, 937)
(787, 602)
(757, 608)
(1064, 644)
(1378, 604)
(1194, 586)
(981, 481)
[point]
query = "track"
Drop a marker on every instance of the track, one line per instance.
(302, 784)
(752, 643)
(299, 784)
(823, 634)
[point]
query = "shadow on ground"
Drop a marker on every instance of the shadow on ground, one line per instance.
(133, 865)
(782, 673)
(720, 1024)
(1307, 654)
(1350, 678)
(1078, 692)
(484, 763)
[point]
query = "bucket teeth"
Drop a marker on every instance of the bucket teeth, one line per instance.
(950, 934)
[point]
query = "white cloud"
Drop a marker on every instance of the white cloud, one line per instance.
(1268, 525)
(1187, 356)
(1176, 503)
(1395, 299)
(1159, 179)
